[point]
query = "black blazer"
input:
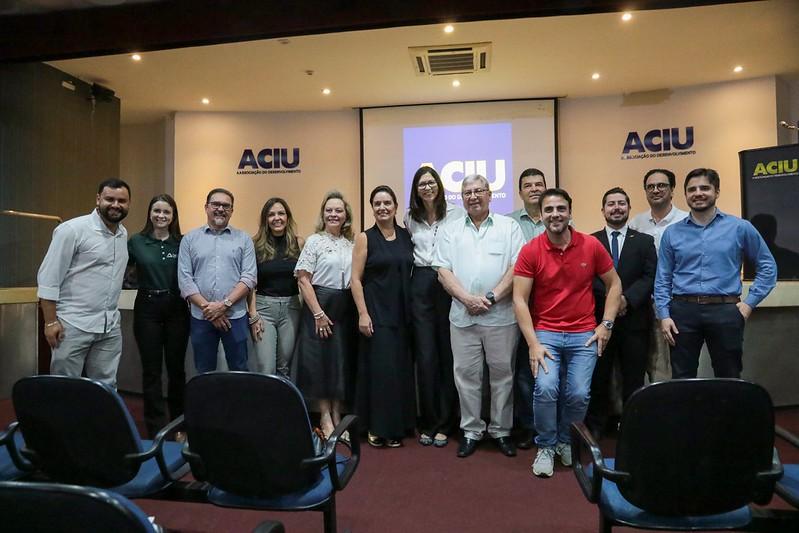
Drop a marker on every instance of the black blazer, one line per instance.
(637, 265)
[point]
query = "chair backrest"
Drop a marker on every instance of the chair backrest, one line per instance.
(53, 508)
(694, 446)
(79, 430)
(251, 432)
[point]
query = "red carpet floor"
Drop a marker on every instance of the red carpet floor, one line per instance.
(427, 490)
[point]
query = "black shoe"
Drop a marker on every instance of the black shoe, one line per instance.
(526, 441)
(505, 445)
(467, 447)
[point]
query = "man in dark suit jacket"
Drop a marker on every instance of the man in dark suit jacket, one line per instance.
(635, 260)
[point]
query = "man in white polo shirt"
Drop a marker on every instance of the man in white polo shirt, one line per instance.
(475, 259)
(659, 186)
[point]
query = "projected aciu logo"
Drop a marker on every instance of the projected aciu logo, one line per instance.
(776, 169)
(269, 161)
(665, 142)
(452, 175)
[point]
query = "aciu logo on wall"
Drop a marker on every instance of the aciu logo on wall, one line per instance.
(666, 142)
(458, 151)
(270, 161)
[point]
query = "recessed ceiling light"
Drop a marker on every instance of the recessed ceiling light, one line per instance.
(205, 101)
(738, 69)
(626, 16)
(595, 76)
(456, 83)
(325, 91)
(449, 28)
(136, 57)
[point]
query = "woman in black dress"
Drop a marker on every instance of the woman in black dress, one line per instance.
(381, 276)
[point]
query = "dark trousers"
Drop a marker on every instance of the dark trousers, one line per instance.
(161, 328)
(524, 384)
(721, 326)
(630, 349)
(205, 343)
(438, 399)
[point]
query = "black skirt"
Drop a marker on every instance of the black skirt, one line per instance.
(325, 366)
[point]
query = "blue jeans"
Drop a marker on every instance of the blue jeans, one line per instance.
(561, 395)
(205, 343)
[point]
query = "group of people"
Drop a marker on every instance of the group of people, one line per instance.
(377, 322)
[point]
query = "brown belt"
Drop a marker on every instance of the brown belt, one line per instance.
(703, 299)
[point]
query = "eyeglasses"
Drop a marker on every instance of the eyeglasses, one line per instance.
(427, 185)
(220, 205)
(657, 186)
(474, 192)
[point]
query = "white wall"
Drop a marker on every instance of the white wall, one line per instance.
(726, 117)
(208, 147)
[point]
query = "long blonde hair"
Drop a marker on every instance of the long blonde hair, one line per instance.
(264, 241)
(346, 228)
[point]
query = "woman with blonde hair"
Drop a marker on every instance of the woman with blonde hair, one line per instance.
(326, 342)
(274, 307)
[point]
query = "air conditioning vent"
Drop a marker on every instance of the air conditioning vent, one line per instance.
(454, 59)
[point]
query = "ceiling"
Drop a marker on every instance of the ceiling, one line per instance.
(532, 57)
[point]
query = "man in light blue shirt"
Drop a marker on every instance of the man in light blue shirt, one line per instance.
(532, 184)
(698, 281)
(474, 258)
(216, 271)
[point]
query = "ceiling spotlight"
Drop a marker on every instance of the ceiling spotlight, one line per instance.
(626, 16)
(595, 76)
(325, 91)
(449, 28)
(205, 101)
(738, 69)
(136, 57)
(456, 83)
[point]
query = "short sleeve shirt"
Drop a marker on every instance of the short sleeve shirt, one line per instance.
(562, 299)
(328, 259)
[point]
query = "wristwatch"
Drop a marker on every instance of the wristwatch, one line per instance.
(227, 303)
(608, 324)
(490, 297)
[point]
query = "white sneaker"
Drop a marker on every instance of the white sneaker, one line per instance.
(544, 464)
(564, 451)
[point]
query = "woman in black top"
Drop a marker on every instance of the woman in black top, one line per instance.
(381, 276)
(160, 315)
(275, 307)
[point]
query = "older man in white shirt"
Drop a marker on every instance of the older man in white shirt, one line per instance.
(659, 186)
(80, 280)
(475, 259)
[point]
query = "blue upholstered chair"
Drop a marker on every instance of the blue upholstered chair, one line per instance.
(79, 431)
(10, 443)
(788, 487)
(691, 455)
(250, 438)
(57, 508)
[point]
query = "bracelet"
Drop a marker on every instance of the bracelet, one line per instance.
(318, 315)
(51, 324)
(253, 319)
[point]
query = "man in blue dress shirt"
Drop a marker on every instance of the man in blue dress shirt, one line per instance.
(698, 281)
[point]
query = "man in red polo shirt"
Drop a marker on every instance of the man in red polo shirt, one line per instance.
(557, 320)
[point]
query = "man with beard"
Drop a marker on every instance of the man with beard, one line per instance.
(698, 281)
(659, 186)
(558, 323)
(531, 184)
(79, 282)
(635, 261)
(474, 258)
(216, 271)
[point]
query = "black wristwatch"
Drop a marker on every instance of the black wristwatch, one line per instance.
(490, 297)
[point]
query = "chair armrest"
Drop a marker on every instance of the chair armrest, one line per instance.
(157, 449)
(195, 463)
(764, 481)
(7, 440)
(787, 436)
(583, 444)
(349, 423)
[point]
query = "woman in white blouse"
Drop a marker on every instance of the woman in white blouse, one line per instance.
(430, 303)
(326, 342)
